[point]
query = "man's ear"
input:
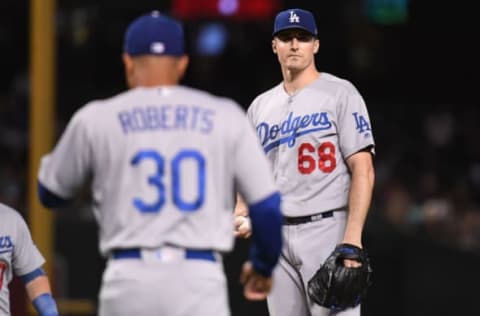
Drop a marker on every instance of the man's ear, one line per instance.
(316, 46)
(182, 65)
(274, 46)
(128, 66)
(127, 61)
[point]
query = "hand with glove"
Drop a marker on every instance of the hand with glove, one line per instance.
(337, 286)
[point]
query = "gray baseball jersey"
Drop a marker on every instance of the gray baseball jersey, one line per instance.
(163, 163)
(307, 137)
(18, 253)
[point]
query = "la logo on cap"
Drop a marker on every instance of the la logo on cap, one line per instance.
(294, 18)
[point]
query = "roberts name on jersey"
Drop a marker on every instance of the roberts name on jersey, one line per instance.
(167, 117)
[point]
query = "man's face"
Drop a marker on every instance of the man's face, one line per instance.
(295, 48)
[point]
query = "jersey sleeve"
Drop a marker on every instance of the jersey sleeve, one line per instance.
(355, 129)
(67, 167)
(256, 185)
(254, 179)
(26, 256)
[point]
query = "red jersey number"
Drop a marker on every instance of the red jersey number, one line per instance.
(325, 156)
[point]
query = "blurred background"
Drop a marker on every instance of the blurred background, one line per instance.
(414, 62)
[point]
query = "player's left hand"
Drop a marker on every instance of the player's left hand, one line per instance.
(337, 286)
(243, 226)
(351, 263)
(256, 286)
(348, 262)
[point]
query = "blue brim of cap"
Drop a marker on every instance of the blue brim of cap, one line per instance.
(294, 27)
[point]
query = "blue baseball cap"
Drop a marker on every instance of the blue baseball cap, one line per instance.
(154, 34)
(295, 18)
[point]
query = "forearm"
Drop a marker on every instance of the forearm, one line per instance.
(241, 208)
(39, 292)
(359, 201)
(37, 286)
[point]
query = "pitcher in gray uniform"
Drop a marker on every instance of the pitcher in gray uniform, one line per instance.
(163, 162)
(315, 130)
(20, 257)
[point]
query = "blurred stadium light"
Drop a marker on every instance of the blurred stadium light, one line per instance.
(235, 9)
(211, 39)
(228, 7)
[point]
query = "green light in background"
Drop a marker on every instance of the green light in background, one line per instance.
(389, 12)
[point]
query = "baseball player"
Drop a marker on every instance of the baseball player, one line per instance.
(164, 161)
(19, 256)
(315, 130)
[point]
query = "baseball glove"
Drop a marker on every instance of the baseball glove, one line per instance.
(338, 287)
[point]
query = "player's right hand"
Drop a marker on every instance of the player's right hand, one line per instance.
(256, 287)
(243, 226)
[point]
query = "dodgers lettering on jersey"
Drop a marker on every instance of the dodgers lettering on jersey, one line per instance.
(288, 130)
(166, 117)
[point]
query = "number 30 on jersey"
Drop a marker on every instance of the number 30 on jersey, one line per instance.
(156, 180)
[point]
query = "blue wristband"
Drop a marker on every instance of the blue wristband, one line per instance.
(32, 275)
(45, 305)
